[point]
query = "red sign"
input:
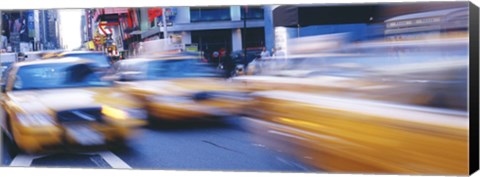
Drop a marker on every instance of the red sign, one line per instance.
(102, 25)
(154, 13)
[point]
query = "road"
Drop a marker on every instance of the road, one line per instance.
(223, 145)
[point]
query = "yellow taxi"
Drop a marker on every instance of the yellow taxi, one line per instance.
(393, 112)
(179, 88)
(50, 103)
(345, 135)
(407, 119)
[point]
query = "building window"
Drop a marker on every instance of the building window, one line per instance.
(255, 37)
(212, 40)
(205, 14)
(253, 12)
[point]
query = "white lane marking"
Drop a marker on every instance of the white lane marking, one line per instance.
(113, 160)
(24, 160)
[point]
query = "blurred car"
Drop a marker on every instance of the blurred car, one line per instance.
(50, 54)
(252, 53)
(101, 61)
(437, 84)
(391, 108)
(39, 55)
(338, 134)
(49, 103)
(398, 72)
(179, 88)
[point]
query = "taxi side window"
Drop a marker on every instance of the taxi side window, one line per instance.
(6, 74)
(6, 78)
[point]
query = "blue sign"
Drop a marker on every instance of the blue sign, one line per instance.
(31, 24)
(170, 14)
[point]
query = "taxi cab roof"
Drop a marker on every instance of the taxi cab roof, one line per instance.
(145, 60)
(43, 52)
(80, 52)
(63, 60)
(173, 56)
(161, 57)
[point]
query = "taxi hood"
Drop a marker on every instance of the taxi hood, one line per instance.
(74, 98)
(181, 86)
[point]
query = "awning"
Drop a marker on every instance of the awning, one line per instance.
(293, 16)
(137, 32)
(306, 15)
(111, 14)
(116, 11)
(205, 26)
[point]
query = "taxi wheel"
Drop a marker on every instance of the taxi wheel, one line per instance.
(153, 120)
(10, 141)
(118, 143)
(9, 144)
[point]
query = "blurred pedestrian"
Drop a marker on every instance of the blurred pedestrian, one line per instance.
(215, 54)
(228, 65)
(3, 41)
(216, 58)
(206, 55)
(21, 56)
(222, 52)
(264, 54)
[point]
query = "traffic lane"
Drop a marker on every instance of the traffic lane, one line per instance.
(217, 145)
(85, 157)
(222, 145)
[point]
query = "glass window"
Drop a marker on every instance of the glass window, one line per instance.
(99, 58)
(165, 69)
(58, 75)
(253, 12)
(212, 40)
(5, 72)
(203, 14)
(255, 37)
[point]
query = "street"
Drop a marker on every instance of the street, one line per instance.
(223, 146)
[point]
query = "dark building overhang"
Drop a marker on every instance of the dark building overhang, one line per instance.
(205, 26)
(293, 16)
(107, 18)
(307, 15)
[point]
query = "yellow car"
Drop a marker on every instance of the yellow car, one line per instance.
(440, 83)
(179, 88)
(408, 119)
(49, 103)
(361, 136)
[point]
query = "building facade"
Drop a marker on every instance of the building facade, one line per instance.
(207, 29)
(30, 30)
(49, 30)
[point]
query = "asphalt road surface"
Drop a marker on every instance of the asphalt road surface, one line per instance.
(214, 146)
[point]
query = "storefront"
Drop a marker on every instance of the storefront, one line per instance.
(212, 40)
(255, 37)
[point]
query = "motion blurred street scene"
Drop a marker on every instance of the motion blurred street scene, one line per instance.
(328, 88)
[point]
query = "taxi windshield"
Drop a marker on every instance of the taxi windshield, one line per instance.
(59, 75)
(100, 59)
(183, 68)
